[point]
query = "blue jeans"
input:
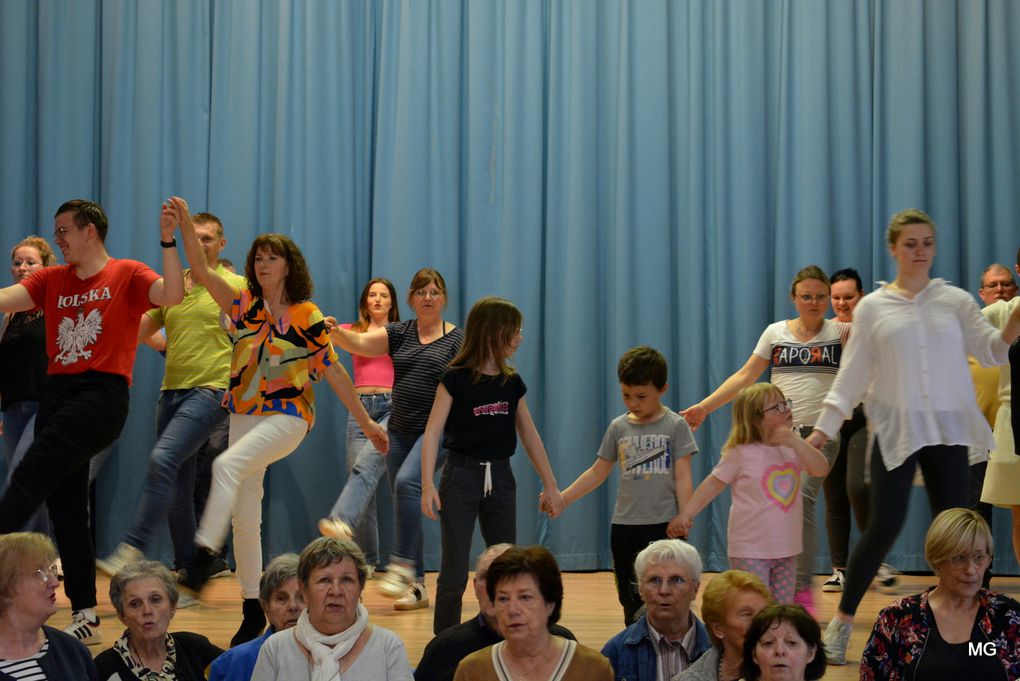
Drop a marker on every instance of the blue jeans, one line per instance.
(19, 432)
(365, 467)
(184, 421)
(403, 468)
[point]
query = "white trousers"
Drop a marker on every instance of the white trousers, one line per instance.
(235, 496)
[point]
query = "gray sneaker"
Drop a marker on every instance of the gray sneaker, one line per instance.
(837, 640)
(123, 555)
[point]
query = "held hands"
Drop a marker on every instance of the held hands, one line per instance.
(694, 415)
(679, 526)
(817, 439)
(430, 503)
(377, 436)
(551, 502)
(173, 213)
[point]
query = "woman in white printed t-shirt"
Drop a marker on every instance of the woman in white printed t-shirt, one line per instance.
(804, 354)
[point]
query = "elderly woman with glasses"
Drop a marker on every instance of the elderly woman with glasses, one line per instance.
(956, 629)
(804, 354)
(144, 594)
(28, 597)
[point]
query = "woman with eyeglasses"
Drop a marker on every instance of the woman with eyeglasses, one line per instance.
(28, 597)
(907, 361)
(956, 629)
(804, 354)
(421, 349)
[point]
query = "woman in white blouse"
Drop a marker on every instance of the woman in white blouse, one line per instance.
(907, 360)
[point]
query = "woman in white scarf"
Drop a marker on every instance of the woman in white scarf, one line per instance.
(333, 640)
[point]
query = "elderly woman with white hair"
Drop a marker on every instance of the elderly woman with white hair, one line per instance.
(144, 594)
(282, 600)
(667, 638)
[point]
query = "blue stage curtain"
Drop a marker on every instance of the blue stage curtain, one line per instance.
(628, 173)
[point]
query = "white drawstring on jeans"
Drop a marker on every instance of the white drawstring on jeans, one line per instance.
(487, 485)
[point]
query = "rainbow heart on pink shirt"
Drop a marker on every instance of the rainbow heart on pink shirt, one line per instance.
(781, 484)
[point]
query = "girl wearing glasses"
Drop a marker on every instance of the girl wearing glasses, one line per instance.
(804, 354)
(762, 462)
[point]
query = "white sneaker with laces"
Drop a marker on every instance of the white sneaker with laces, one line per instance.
(397, 580)
(414, 598)
(122, 556)
(186, 600)
(83, 629)
(837, 640)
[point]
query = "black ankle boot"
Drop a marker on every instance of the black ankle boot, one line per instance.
(253, 624)
(199, 570)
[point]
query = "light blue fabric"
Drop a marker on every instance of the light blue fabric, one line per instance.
(627, 172)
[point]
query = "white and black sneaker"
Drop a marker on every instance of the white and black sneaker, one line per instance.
(834, 584)
(84, 629)
(415, 597)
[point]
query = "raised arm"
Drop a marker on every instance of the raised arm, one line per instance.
(15, 298)
(552, 500)
(725, 393)
(430, 502)
(170, 289)
(372, 343)
(340, 381)
(222, 291)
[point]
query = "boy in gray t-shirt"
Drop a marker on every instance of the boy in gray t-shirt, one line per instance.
(652, 446)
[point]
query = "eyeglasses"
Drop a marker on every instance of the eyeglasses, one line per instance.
(780, 407)
(807, 298)
(432, 293)
(980, 560)
(673, 583)
(59, 232)
(1000, 284)
(44, 574)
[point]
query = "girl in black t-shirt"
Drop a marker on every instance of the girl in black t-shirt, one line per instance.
(479, 410)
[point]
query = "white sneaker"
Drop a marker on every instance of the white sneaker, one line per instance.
(414, 598)
(123, 555)
(835, 583)
(83, 629)
(336, 528)
(837, 640)
(397, 580)
(887, 577)
(186, 600)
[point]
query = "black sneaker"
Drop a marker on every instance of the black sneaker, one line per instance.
(835, 583)
(199, 571)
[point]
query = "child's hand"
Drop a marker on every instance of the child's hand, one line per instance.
(430, 502)
(680, 526)
(552, 502)
(783, 435)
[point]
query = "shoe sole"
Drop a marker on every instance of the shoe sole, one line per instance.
(831, 589)
(417, 605)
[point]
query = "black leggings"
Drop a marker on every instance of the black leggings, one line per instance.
(945, 478)
(845, 488)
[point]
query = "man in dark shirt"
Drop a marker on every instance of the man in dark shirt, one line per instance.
(449, 647)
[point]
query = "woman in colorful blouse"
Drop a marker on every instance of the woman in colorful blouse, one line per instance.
(955, 630)
(281, 345)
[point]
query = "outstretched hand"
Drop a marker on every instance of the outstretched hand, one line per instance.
(694, 415)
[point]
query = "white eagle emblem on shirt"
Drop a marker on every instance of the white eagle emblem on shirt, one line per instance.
(74, 336)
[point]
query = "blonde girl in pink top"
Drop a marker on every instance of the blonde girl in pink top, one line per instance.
(761, 463)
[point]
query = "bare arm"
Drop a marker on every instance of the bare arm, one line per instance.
(684, 489)
(587, 481)
(430, 502)
(222, 291)
(340, 381)
(726, 392)
(15, 298)
(170, 289)
(148, 334)
(552, 499)
(813, 461)
(708, 490)
(372, 343)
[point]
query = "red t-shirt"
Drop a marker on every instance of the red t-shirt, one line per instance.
(92, 324)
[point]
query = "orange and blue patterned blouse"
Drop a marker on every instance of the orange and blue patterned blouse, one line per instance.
(276, 358)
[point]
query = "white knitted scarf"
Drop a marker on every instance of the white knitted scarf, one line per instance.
(326, 650)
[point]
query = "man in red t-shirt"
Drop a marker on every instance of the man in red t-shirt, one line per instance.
(92, 308)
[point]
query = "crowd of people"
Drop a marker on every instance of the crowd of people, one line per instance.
(854, 405)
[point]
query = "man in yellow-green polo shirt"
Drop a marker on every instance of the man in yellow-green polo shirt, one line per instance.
(189, 411)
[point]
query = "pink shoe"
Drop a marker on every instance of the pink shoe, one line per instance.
(806, 599)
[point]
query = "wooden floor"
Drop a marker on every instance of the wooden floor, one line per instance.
(590, 610)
